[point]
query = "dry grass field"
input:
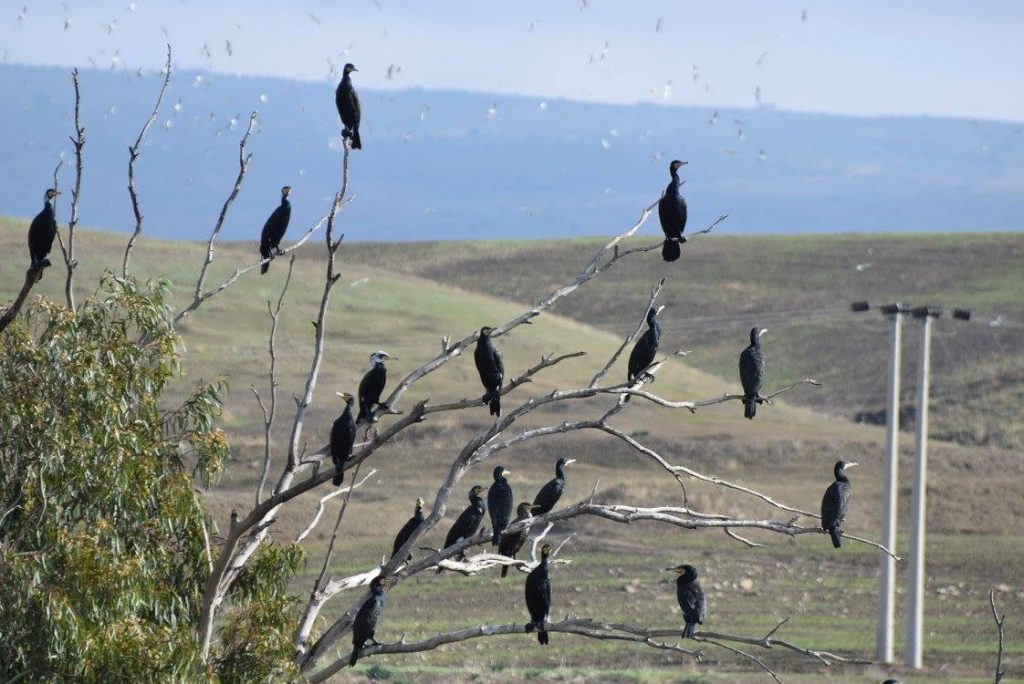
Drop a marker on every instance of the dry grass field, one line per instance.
(404, 298)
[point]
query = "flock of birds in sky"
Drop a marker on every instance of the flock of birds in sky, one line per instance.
(499, 497)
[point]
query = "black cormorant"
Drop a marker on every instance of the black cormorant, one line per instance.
(672, 212)
(372, 386)
(274, 229)
(511, 542)
(538, 596)
(691, 598)
(347, 100)
(491, 369)
(499, 503)
(42, 231)
(343, 436)
(752, 372)
(550, 493)
(469, 520)
(645, 348)
(408, 528)
(365, 623)
(833, 504)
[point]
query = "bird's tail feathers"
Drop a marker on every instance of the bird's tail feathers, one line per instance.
(493, 399)
(689, 630)
(354, 658)
(542, 636)
(837, 541)
(504, 570)
(264, 268)
(339, 477)
(750, 406)
(357, 143)
(495, 536)
(670, 250)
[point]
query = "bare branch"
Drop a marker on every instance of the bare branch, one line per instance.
(133, 155)
(269, 413)
(592, 629)
(32, 276)
(243, 165)
(629, 338)
(68, 251)
(320, 507)
(999, 620)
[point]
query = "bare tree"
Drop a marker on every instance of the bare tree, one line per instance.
(246, 532)
(999, 620)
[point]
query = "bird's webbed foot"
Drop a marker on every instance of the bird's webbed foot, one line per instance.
(278, 251)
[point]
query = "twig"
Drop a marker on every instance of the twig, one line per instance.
(999, 620)
(320, 507)
(133, 155)
(269, 413)
(68, 252)
(243, 165)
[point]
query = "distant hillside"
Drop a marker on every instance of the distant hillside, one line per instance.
(438, 165)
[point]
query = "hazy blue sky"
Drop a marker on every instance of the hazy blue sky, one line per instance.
(936, 57)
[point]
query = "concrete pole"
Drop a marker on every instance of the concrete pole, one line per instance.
(914, 655)
(886, 563)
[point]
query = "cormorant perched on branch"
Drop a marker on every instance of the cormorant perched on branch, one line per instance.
(538, 596)
(343, 436)
(833, 504)
(550, 493)
(491, 369)
(691, 598)
(274, 229)
(42, 231)
(347, 101)
(469, 520)
(672, 212)
(365, 623)
(511, 542)
(752, 372)
(499, 503)
(408, 528)
(645, 348)
(371, 387)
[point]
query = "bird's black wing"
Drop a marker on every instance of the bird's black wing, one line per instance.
(642, 354)
(403, 534)
(370, 389)
(465, 525)
(751, 370)
(691, 601)
(548, 496)
(833, 505)
(538, 594)
(499, 364)
(668, 212)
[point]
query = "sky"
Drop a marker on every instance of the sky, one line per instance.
(934, 57)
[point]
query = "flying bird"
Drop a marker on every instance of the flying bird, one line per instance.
(275, 227)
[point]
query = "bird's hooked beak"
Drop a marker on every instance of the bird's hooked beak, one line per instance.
(344, 395)
(571, 460)
(762, 332)
(678, 569)
(533, 508)
(850, 465)
(505, 471)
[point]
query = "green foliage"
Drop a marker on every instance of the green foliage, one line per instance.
(103, 539)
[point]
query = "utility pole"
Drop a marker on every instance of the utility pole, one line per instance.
(886, 563)
(914, 655)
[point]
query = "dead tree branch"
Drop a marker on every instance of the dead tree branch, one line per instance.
(999, 620)
(270, 412)
(243, 165)
(32, 276)
(68, 251)
(133, 155)
(321, 507)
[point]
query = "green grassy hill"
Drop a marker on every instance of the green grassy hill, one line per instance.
(404, 298)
